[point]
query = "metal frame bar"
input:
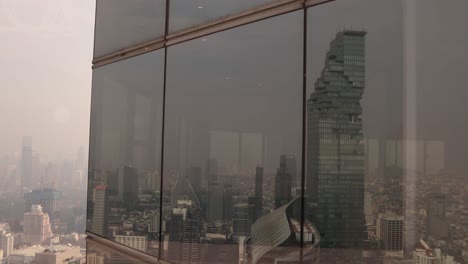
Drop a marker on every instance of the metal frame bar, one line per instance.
(230, 21)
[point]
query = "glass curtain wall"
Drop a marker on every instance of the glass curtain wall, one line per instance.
(233, 142)
(329, 134)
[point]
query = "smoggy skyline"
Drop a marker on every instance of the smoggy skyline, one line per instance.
(46, 75)
(46, 70)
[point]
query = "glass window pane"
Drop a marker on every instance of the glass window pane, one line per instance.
(437, 41)
(233, 145)
(185, 14)
(354, 128)
(125, 151)
(123, 23)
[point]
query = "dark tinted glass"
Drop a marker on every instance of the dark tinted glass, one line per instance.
(123, 23)
(354, 128)
(233, 143)
(125, 151)
(185, 14)
(436, 191)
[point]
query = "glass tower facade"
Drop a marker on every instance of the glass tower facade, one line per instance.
(265, 131)
(335, 150)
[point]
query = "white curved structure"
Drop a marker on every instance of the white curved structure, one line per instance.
(271, 231)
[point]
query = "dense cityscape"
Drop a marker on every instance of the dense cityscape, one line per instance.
(236, 132)
(358, 200)
(42, 207)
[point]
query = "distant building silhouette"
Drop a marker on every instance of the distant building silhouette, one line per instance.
(26, 163)
(284, 180)
(436, 221)
(258, 192)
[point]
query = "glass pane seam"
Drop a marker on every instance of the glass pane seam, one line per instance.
(252, 15)
(128, 53)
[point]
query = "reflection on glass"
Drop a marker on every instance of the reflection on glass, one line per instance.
(125, 147)
(123, 23)
(439, 146)
(185, 14)
(354, 129)
(232, 142)
(98, 254)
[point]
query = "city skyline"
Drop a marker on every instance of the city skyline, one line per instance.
(261, 132)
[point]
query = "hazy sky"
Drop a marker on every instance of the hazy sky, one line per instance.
(46, 70)
(46, 75)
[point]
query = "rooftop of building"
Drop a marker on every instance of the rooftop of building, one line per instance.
(29, 251)
(350, 32)
(57, 249)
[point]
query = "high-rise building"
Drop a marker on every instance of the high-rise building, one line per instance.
(283, 181)
(99, 214)
(289, 162)
(390, 233)
(215, 201)
(129, 187)
(241, 220)
(36, 226)
(211, 171)
(154, 225)
(184, 229)
(258, 192)
(133, 241)
(335, 152)
(7, 241)
(436, 219)
(26, 163)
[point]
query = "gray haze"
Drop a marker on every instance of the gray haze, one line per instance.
(46, 75)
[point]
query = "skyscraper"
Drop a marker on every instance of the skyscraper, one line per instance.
(390, 233)
(436, 220)
(129, 187)
(36, 226)
(258, 192)
(290, 163)
(335, 152)
(211, 170)
(283, 184)
(99, 214)
(7, 241)
(184, 229)
(241, 220)
(26, 163)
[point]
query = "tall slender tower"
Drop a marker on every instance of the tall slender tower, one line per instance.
(258, 192)
(284, 180)
(26, 163)
(335, 148)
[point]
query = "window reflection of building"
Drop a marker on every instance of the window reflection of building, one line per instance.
(335, 177)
